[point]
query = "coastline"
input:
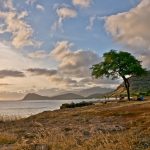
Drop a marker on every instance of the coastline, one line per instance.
(81, 127)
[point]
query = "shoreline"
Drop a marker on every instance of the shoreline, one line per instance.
(81, 127)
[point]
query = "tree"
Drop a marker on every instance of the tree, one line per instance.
(117, 64)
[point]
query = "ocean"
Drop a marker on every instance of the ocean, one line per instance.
(27, 108)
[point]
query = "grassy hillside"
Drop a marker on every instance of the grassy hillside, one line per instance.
(137, 85)
(111, 126)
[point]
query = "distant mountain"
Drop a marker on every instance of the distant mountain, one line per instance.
(33, 96)
(94, 91)
(97, 95)
(68, 96)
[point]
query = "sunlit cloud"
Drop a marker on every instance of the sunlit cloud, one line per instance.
(82, 3)
(40, 7)
(14, 23)
(63, 13)
(132, 28)
(75, 63)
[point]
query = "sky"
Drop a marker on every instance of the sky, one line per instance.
(48, 46)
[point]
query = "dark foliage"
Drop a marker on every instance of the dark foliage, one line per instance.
(73, 105)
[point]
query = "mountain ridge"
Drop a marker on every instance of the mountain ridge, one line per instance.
(68, 96)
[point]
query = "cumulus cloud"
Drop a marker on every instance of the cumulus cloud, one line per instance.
(40, 7)
(13, 22)
(63, 13)
(75, 64)
(63, 81)
(82, 3)
(61, 50)
(78, 63)
(7, 4)
(11, 73)
(41, 71)
(23, 14)
(74, 67)
(132, 28)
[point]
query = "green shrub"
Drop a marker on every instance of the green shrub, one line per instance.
(73, 105)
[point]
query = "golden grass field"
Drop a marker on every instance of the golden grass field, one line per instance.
(111, 126)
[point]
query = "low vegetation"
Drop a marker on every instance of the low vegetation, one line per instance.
(73, 105)
(110, 126)
(7, 138)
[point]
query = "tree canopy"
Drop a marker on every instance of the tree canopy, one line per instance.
(117, 64)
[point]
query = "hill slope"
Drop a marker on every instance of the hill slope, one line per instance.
(94, 91)
(33, 96)
(137, 85)
(67, 96)
(97, 127)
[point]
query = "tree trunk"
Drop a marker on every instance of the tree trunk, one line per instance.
(127, 85)
(128, 92)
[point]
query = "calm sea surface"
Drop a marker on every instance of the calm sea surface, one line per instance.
(27, 108)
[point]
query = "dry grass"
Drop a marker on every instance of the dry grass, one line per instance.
(7, 138)
(112, 126)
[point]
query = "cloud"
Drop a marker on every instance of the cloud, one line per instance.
(11, 73)
(74, 67)
(30, 2)
(63, 82)
(89, 81)
(40, 7)
(40, 54)
(14, 60)
(82, 3)
(8, 4)
(41, 71)
(5, 84)
(61, 50)
(23, 14)
(13, 22)
(131, 28)
(63, 13)
(54, 77)
(73, 63)
(91, 22)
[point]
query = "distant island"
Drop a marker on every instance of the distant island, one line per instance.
(33, 96)
(94, 92)
(68, 96)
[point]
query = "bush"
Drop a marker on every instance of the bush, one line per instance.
(73, 105)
